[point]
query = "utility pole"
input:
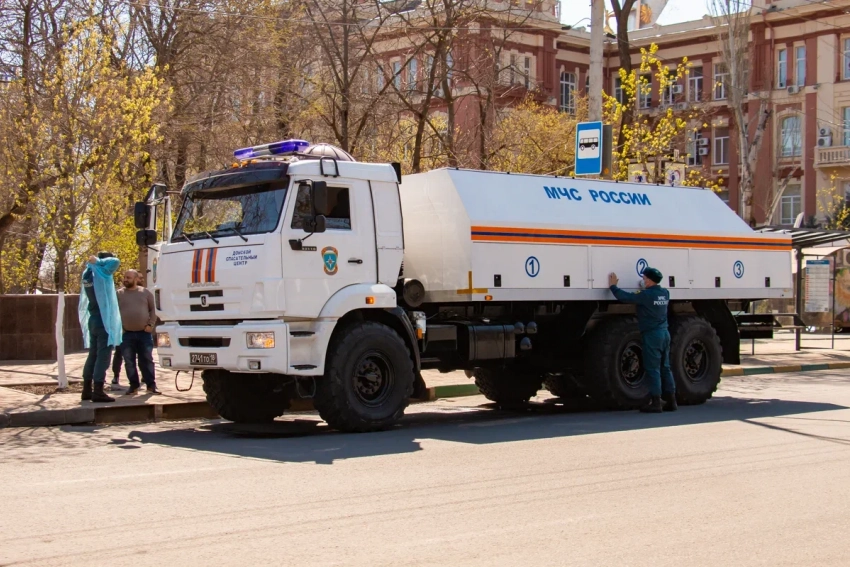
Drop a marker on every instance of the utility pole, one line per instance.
(597, 38)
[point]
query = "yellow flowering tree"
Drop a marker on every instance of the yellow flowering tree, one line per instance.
(87, 139)
(651, 137)
(532, 138)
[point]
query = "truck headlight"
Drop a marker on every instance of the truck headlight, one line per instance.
(260, 340)
(163, 340)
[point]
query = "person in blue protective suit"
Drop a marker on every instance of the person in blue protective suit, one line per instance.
(100, 321)
(652, 304)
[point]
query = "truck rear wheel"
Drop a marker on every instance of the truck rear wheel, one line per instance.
(368, 379)
(507, 386)
(614, 373)
(246, 398)
(696, 359)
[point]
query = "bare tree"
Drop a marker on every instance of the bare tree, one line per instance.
(732, 17)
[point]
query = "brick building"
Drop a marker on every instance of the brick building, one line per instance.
(799, 59)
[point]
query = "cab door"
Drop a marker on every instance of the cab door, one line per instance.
(343, 255)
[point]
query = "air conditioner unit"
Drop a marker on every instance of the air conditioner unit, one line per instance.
(702, 142)
(682, 106)
(823, 132)
(825, 141)
(676, 89)
(703, 151)
(793, 89)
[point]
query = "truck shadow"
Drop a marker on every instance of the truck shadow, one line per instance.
(309, 440)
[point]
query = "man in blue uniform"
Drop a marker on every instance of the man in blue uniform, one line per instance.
(652, 320)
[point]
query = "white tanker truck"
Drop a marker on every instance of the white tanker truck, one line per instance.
(301, 272)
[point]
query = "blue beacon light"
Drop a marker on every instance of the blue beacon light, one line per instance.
(272, 149)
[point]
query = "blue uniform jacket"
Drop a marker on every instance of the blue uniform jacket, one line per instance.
(651, 306)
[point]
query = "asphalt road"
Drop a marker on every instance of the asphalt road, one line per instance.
(758, 476)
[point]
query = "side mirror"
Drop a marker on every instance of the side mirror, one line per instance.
(321, 206)
(318, 223)
(146, 237)
(141, 215)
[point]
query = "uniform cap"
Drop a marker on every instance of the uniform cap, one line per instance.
(652, 274)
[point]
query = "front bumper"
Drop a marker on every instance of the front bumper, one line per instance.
(235, 357)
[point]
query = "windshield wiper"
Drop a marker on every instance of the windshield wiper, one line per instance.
(236, 230)
(189, 240)
(211, 237)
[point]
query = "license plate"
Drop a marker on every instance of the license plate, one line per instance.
(203, 359)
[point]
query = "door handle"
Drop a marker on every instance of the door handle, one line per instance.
(355, 261)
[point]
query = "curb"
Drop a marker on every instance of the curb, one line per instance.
(783, 369)
(201, 409)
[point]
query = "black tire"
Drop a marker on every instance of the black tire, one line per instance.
(696, 359)
(564, 386)
(507, 386)
(368, 379)
(614, 374)
(247, 398)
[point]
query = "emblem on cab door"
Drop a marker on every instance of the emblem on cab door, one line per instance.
(329, 259)
(153, 269)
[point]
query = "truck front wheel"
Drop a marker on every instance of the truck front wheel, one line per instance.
(507, 386)
(695, 359)
(246, 398)
(368, 379)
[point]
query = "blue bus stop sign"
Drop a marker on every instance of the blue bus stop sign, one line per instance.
(589, 148)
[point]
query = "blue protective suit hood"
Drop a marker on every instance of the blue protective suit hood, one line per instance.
(107, 301)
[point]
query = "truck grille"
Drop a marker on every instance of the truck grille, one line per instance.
(205, 342)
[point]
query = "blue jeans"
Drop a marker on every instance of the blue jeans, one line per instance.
(138, 344)
(656, 362)
(100, 355)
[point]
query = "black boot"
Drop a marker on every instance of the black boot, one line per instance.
(98, 395)
(654, 405)
(670, 402)
(86, 390)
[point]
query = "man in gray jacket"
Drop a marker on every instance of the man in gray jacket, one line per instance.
(138, 315)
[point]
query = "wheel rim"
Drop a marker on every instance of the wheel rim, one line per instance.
(696, 361)
(631, 365)
(373, 379)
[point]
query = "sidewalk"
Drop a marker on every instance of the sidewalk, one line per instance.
(23, 409)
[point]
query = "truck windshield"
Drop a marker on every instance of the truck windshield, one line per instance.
(251, 209)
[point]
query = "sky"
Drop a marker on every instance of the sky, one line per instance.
(676, 11)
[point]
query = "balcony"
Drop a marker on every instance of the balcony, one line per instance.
(833, 156)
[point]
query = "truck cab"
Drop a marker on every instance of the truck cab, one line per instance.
(267, 256)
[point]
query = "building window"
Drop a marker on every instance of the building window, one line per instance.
(587, 83)
(412, 72)
(568, 92)
(644, 91)
(845, 137)
(669, 94)
(513, 69)
(790, 205)
(721, 79)
(721, 147)
(618, 89)
(397, 74)
(791, 137)
(695, 84)
(528, 72)
(693, 148)
(846, 58)
(782, 69)
(800, 66)
(379, 78)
